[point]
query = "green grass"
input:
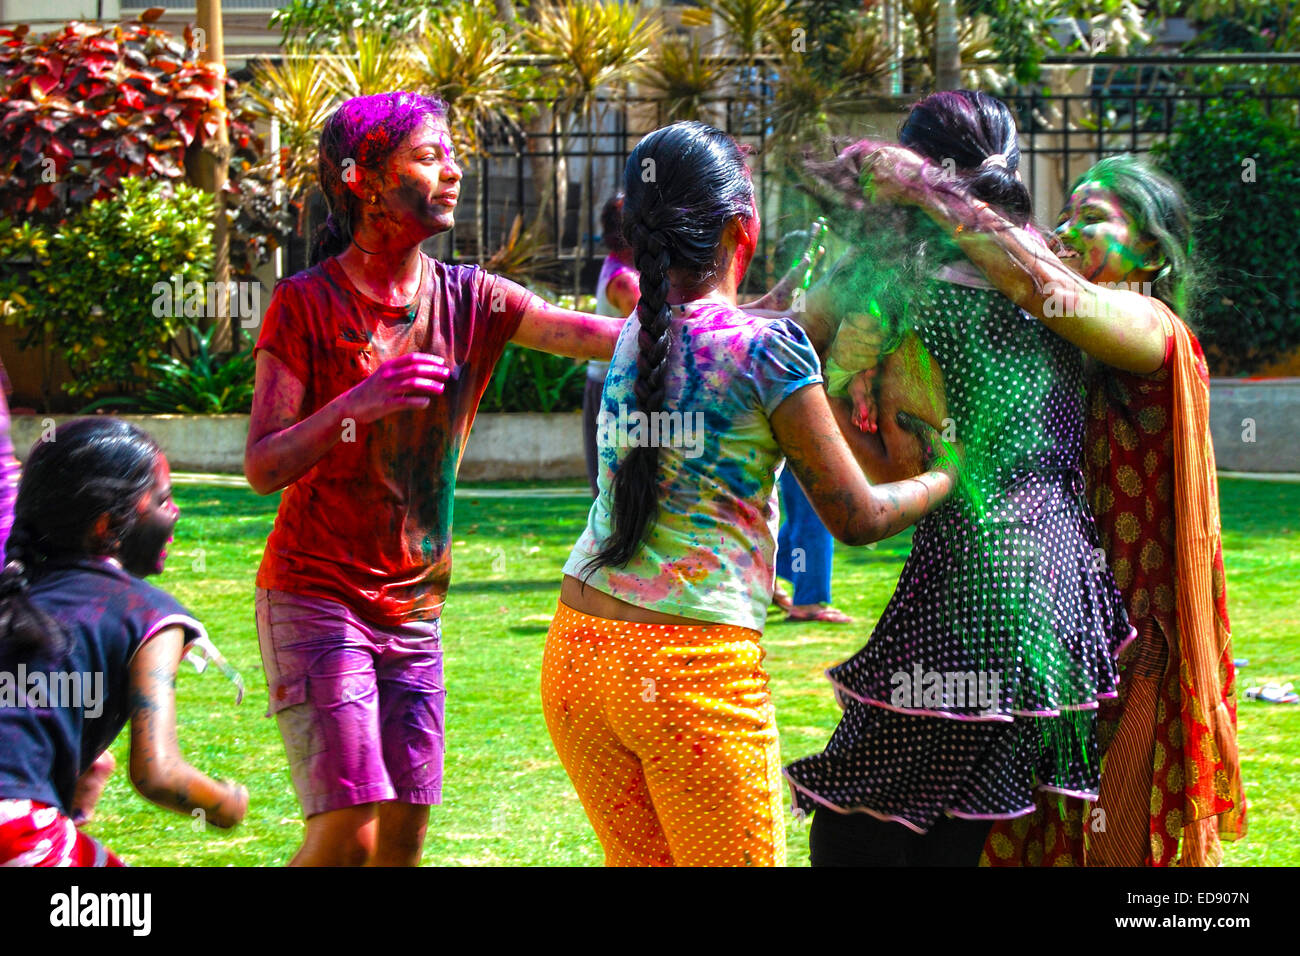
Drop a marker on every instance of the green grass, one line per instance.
(507, 801)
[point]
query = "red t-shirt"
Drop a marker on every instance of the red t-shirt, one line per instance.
(370, 524)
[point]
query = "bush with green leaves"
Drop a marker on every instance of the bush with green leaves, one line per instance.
(206, 383)
(526, 380)
(1239, 169)
(88, 287)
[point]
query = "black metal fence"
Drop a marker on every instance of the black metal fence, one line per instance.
(1111, 105)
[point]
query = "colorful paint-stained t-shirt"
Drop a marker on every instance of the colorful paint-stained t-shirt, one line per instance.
(710, 554)
(58, 713)
(370, 525)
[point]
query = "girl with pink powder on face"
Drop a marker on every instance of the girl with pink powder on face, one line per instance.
(370, 368)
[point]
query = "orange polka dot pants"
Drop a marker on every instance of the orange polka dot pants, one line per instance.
(669, 736)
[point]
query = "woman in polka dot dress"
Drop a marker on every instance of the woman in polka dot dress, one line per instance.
(1171, 782)
(653, 687)
(981, 680)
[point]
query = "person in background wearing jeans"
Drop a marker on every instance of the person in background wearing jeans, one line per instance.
(805, 550)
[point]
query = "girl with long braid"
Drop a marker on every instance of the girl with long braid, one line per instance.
(93, 518)
(652, 680)
(1122, 273)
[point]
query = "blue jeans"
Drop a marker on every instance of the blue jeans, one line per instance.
(803, 547)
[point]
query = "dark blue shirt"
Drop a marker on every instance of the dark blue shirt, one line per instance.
(58, 713)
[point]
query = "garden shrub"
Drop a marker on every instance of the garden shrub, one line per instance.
(87, 287)
(1239, 169)
(84, 107)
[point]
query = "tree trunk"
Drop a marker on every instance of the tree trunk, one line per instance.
(947, 47)
(211, 166)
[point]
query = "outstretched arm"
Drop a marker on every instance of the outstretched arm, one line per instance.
(853, 510)
(158, 770)
(1116, 326)
(780, 298)
(550, 328)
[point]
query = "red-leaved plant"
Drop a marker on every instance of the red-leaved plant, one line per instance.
(84, 107)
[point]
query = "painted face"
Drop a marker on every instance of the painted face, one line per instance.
(1099, 239)
(422, 181)
(144, 549)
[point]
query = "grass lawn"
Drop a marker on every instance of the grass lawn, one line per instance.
(506, 799)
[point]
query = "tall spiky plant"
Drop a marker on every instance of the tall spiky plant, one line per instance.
(297, 93)
(684, 77)
(464, 57)
(753, 27)
(594, 44)
(371, 61)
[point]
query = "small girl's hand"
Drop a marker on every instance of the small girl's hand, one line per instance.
(862, 392)
(233, 807)
(892, 173)
(936, 453)
(89, 787)
(400, 384)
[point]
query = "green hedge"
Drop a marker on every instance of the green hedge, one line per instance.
(88, 286)
(1241, 170)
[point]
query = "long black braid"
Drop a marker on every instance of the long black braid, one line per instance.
(682, 184)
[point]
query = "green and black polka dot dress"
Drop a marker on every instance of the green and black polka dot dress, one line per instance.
(981, 679)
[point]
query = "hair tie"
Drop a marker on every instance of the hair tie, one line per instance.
(13, 578)
(997, 159)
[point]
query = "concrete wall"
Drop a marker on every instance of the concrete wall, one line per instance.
(191, 442)
(518, 446)
(1256, 425)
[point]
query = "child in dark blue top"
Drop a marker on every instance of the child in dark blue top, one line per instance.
(86, 645)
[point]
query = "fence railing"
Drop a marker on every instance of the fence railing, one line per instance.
(1097, 107)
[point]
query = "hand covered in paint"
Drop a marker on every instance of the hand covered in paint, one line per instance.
(856, 348)
(402, 383)
(935, 452)
(862, 392)
(233, 807)
(89, 787)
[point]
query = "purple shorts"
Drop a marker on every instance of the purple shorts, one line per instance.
(360, 705)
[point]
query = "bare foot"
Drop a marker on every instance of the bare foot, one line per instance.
(781, 599)
(822, 613)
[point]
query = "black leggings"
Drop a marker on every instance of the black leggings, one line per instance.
(859, 839)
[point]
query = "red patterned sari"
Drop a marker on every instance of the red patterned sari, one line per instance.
(1170, 773)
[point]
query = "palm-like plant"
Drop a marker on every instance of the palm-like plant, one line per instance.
(594, 44)
(296, 93)
(753, 26)
(683, 76)
(808, 101)
(521, 257)
(463, 56)
(372, 61)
